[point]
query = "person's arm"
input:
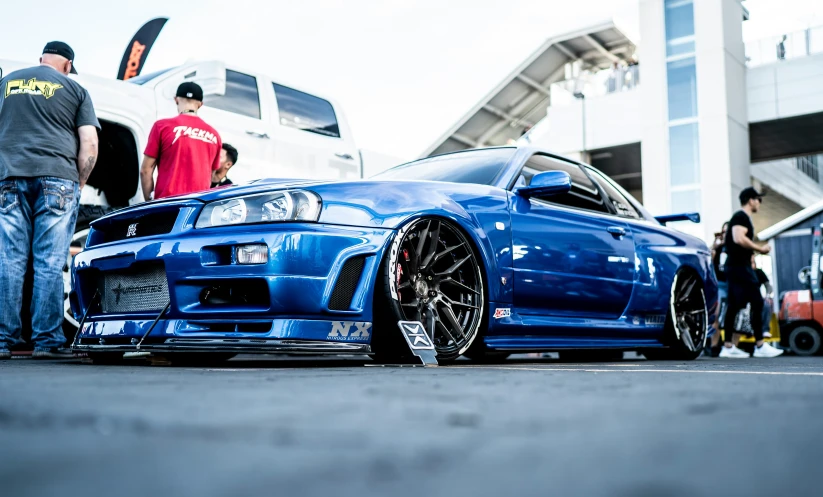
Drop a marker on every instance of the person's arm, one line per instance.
(215, 163)
(87, 154)
(740, 238)
(147, 176)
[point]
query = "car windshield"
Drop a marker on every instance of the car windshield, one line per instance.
(143, 78)
(474, 166)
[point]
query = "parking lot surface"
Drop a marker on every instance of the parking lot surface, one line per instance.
(284, 426)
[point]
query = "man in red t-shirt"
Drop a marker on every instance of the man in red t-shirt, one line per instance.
(184, 149)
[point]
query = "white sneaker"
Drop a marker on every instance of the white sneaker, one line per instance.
(732, 353)
(767, 334)
(767, 350)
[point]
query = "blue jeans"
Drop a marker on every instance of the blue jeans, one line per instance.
(37, 217)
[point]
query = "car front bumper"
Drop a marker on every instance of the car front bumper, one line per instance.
(290, 309)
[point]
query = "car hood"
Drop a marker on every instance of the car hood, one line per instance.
(366, 203)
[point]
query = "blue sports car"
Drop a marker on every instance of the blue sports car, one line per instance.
(494, 251)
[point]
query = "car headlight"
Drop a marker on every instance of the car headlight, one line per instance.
(292, 205)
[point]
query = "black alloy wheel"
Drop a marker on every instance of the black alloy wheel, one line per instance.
(433, 276)
(687, 325)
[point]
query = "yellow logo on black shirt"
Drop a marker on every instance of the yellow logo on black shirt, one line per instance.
(33, 87)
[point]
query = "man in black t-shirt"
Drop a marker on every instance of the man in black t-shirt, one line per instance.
(744, 287)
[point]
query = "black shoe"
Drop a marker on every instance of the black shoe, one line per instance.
(54, 353)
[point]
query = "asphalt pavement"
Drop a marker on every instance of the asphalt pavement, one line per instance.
(309, 427)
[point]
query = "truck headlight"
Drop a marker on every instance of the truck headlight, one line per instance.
(291, 205)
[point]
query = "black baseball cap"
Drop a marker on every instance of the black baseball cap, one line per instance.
(190, 90)
(61, 49)
(748, 194)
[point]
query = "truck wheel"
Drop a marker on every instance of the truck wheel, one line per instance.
(805, 341)
(85, 215)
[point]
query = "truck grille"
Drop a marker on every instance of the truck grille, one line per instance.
(141, 288)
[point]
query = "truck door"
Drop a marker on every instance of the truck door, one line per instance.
(312, 137)
(239, 111)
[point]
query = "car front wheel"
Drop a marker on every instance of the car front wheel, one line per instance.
(431, 275)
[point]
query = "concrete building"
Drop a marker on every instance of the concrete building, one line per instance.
(684, 118)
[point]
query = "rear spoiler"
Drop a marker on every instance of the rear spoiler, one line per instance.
(687, 216)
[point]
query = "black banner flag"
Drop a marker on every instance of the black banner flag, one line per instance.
(138, 48)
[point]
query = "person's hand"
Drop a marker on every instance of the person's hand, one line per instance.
(765, 249)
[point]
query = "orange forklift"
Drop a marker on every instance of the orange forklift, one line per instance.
(801, 311)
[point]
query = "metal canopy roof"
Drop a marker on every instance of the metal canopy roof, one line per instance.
(521, 99)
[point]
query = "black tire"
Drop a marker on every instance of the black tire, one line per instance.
(430, 274)
(687, 321)
(590, 355)
(197, 359)
(805, 340)
(85, 215)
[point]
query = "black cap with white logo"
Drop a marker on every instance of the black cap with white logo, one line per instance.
(61, 49)
(190, 90)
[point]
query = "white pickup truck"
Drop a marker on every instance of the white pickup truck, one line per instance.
(279, 131)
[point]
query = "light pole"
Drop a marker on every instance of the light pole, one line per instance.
(579, 95)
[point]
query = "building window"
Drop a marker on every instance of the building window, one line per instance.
(686, 201)
(679, 27)
(682, 81)
(681, 76)
(683, 155)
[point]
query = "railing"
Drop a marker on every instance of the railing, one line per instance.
(789, 46)
(809, 166)
(596, 84)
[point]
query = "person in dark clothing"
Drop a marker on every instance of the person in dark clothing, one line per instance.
(744, 287)
(228, 158)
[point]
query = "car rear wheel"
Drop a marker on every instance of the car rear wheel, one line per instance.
(431, 275)
(687, 323)
(805, 340)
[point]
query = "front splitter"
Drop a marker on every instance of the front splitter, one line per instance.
(244, 346)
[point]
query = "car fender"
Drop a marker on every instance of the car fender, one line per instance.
(480, 211)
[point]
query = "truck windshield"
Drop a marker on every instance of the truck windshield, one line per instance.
(143, 78)
(479, 167)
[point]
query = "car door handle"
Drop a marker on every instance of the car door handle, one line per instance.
(616, 231)
(258, 134)
(344, 156)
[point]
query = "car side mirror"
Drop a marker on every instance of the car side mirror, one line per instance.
(546, 183)
(804, 275)
(686, 216)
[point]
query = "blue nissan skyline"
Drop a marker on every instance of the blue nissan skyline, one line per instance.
(495, 251)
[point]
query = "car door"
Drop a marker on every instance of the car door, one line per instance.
(312, 139)
(571, 256)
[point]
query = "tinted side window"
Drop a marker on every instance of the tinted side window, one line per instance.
(583, 195)
(307, 112)
(241, 96)
(619, 201)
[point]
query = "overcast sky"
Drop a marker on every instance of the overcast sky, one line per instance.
(404, 70)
